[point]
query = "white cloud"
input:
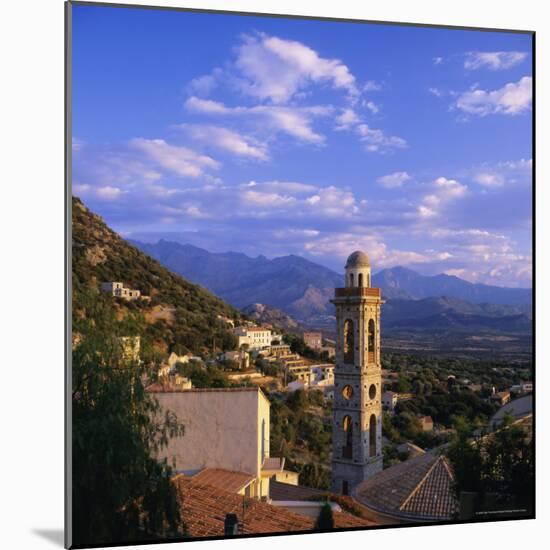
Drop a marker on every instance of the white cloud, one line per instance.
(437, 60)
(371, 86)
(503, 174)
(512, 99)
(393, 180)
(104, 193)
(436, 92)
(495, 61)
(372, 107)
(294, 121)
(443, 190)
(376, 141)
(276, 69)
(227, 140)
(347, 119)
(180, 160)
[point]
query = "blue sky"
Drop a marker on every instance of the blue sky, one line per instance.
(281, 136)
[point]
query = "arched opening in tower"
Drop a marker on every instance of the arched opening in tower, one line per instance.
(372, 435)
(347, 449)
(371, 340)
(349, 342)
(360, 280)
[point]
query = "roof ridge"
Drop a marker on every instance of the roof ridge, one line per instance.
(420, 483)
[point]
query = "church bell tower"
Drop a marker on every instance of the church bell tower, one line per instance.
(357, 407)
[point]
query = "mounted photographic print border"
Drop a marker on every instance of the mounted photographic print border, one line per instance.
(300, 292)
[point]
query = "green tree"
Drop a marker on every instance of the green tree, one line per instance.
(325, 520)
(121, 493)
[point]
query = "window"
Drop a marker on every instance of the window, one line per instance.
(347, 392)
(351, 279)
(360, 280)
(372, 435)
(372, 391)
(347, 449)
(371, 343)
(349, 355)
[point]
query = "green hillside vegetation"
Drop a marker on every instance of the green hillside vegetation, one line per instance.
(192, 323)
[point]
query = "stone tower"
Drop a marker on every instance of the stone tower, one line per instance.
(357, 420)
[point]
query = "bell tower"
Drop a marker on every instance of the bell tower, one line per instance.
(357, 407)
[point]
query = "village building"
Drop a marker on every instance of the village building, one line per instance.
(314, 340)
(389, 400)
(501, 397)
(357, 417)
(426, 423)
(298, 369)
(279, 350)
(254, 338)
(225, 429)
(118, 290)
(324, 372)
(420, 489)
(241, 357)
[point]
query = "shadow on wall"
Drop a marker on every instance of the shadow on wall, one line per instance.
(55, 536)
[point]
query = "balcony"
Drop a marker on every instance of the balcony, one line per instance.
(358, 291)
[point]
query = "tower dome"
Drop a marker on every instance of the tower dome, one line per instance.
(357, 259)
(357, 270)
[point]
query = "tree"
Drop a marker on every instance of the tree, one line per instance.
(325, 520)
(121, 493)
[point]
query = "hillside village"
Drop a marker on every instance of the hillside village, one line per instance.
(256, 402)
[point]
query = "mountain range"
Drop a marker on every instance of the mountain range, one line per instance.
(302, 288)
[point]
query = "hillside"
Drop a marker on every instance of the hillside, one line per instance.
(180, 316)
(263, 314)
(293, 284)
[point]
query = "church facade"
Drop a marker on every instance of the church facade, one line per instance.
(357, 406)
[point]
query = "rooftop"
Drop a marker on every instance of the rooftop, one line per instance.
(420, 488)
(273, 463)
(204, 507)
(224, 479)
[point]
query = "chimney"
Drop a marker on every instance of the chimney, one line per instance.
(231, 525)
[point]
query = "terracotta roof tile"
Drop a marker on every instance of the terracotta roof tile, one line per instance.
(224, 479)
(420, 488)
(204, 508)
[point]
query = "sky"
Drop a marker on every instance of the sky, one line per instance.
(275, 136)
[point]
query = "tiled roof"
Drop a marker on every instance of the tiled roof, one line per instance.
(286, 491)
(420, 488)
(224, 479)
(204, 508)
(279, 491)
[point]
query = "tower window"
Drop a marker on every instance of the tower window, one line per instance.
(349, 345)
(347, 449)
(372, 435)
(372, 391)
(351, 279)
(371, 336)
(360, 279)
